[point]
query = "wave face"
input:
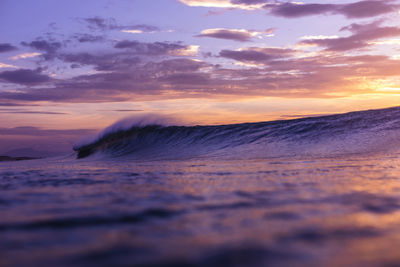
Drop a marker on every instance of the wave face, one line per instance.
(356, 132)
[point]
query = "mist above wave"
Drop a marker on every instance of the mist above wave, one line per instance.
(125, 124)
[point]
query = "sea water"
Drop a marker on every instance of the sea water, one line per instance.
(311, 192)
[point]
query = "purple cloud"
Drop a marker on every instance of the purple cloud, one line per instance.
(290, 10)
(88, 38)
(229, 34)
(107, 24)
(256, 54)
(186, 78)
(250, 2)
(361, 9)
(365, 9)
(245, 55)
(362, 35)
(102, 62)
(34, 131)
(240, 35)
(37, 142)
(24, 76)
(31, 112)
(49, 48)
(150, 49)
(280, 76)
(4, 47)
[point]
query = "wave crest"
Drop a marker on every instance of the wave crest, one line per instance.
(144, 138)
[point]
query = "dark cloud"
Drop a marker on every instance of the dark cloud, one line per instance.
(34, 131)
(245, 55)
(88, 38)
(150, 49)
(98, 23)
(289, 76)
(127, 110)
(235, 35)
(144, 79)
(107, 24)
(256, 55)
(250, 2)
(37, 142)
(142, 27)
(24, 76)
(291, 10)
(32, 112)
(10, 104)
(49, 48)
(186, 78)
(175, 65)
(4, 47)
(361, 9)
(135, 70)
(101, 62)
(365, 9)
(130, 54)
(362, 35)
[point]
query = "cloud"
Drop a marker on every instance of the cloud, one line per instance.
(240, 35)
(108, 24)
(294, 10)
(365, 9)
(133, 31)
(25, 55)
(362, 36)
(120, 85)
(128, 55)
(101, 62)
(256, 55)
(149, 49)
(38, 142)
(34, 131)
(3, 65)
(9, 104)
(186, 79)
(318, 37)
(242, 4)
(4, 47)
(127, 110)
(88, 38)
(49, 48)
(24, 76)
(134, 70)
(279, 73)
(23, 111)
(361, 9)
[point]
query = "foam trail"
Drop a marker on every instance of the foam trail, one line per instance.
(155, 137)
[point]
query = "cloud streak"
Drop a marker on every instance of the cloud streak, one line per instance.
(361, 37)
(361, 9)
(357, 10)
(5, 47)
(240, 35)
(110, 24)
(24, 76)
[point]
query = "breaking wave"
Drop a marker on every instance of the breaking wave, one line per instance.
(157, 138)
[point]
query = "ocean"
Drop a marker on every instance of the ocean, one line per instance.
(321, 191)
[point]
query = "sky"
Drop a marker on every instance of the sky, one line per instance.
(71, 68)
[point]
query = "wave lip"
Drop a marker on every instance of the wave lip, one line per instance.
(355, 132)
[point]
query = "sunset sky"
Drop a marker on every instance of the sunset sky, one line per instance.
(70, 68)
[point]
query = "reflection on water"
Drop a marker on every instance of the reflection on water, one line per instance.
(283, 212)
